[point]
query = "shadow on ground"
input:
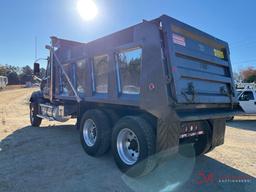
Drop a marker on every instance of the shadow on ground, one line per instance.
(243, 124)
(51, 159)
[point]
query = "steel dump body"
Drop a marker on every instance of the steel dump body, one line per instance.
(196, 65)
(184, 72)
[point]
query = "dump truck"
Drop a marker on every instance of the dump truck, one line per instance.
(147, 89)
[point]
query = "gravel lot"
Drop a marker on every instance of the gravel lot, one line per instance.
(50, 158)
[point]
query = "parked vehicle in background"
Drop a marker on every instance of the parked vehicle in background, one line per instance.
(28, 84)
(143, 90)
(241, 85)
(3, 82)
(247, 100)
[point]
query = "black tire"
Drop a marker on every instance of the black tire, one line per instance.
(202, 144)
(103, 132)
(230, 119)
(146, 138)
(34, 120)
(149, 119)
(209, 150)
(112, 115)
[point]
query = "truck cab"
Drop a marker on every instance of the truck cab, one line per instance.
(247, 100)
(144, 90)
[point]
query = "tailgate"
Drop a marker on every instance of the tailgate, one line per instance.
(200, 66)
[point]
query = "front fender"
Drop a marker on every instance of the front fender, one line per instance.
(36, 97)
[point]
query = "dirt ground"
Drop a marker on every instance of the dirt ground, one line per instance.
(50, 158)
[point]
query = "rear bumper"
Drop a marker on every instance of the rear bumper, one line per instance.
(168, 128)
(168, 134)
(204, 114)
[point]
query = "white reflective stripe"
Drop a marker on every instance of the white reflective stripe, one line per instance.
(191, 134)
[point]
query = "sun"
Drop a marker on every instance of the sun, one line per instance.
(87, 9)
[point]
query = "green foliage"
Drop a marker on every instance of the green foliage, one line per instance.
(249, 74)
(42, 73)
(26, 75)
(251, 79)
(2, 71)
(13, 78)
(17, 75)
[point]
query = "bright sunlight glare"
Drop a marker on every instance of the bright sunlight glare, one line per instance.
(87, 9)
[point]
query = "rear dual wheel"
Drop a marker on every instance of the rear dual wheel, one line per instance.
(95, 132)
(133, 141)
(133, 144)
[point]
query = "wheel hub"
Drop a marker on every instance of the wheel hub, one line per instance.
(128, 146)
(32, 113)
(133, 145)
(89, 132)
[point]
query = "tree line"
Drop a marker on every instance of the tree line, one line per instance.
(247, 75)
(19, 75)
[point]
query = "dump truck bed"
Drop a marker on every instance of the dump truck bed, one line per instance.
(188, 69)
(199, 65)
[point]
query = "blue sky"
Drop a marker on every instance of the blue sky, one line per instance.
(22, 20)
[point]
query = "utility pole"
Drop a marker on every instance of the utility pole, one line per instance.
(35, 47)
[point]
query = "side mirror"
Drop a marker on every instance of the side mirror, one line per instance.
(36, 69)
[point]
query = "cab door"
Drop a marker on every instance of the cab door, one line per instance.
(247, 101)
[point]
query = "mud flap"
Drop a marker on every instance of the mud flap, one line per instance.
(218, 132)
(167, 136)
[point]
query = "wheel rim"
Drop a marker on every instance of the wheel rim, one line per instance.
(89, 132)
(128, 146)
(32, 113)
